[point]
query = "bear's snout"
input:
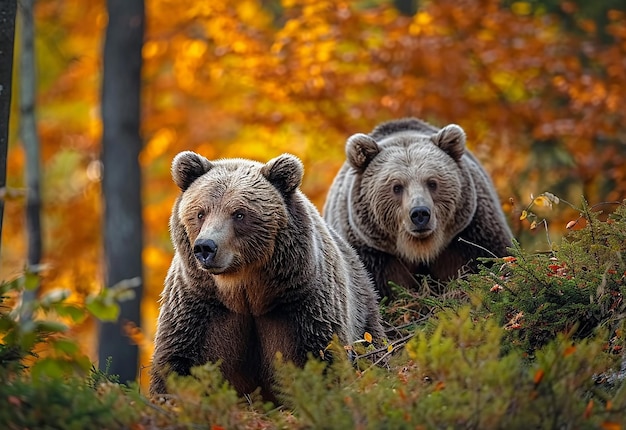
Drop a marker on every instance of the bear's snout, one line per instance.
(205, 250)
(420, 216)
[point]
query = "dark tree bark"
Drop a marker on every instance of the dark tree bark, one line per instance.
(8, 10)
(28, 132)
(121, 144)
(406, 7)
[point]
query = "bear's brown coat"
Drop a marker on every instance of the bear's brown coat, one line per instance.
(256, 271)
(406, 196)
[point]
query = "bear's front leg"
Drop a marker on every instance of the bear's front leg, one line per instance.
(179, 342)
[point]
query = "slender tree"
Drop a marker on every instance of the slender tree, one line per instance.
(121, 144)
(28, 131)
(8, 10)
(406, 7)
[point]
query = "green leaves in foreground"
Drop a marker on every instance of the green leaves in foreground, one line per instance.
(453, 375)
(105, 305)
(40, 326)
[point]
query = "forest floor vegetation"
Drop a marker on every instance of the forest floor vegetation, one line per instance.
(534, 340)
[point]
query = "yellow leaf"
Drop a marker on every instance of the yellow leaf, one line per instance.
(523, 216)
(553, 199)
(389, 348)
(542, 201)
(368, 337)
(522, 8)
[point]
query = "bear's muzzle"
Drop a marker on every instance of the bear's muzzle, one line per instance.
(420, 217)
(205, 251)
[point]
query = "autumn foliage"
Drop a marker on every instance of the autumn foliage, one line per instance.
(541, 102)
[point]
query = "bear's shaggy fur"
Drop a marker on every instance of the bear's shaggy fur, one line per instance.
(256, 271)
(404, 198)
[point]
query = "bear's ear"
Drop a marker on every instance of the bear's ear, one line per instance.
(360, 150)
(451, 139)
(188, 166)
(285, 172)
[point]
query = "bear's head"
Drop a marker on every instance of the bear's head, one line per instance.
(410, 194)
(232, 210)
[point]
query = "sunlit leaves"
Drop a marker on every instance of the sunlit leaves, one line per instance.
(105, 305)
(35, 333)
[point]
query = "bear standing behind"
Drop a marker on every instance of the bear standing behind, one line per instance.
(256, 271)
(404, 198)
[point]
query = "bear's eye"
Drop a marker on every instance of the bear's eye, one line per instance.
(200, 215)
(398, 189)
(432, 184)
(238, 215)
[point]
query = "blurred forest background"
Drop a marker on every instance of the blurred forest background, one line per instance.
(539, 87)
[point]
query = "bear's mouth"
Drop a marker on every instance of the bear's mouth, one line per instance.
(213, 269)
(421, 233)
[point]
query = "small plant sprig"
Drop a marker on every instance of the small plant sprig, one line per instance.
(543, 200)
(548, 200)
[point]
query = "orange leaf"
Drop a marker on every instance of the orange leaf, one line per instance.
(608, 425)
(569, 350)
(538, 376)
(368, 337)
(588, 409)
(401, 394)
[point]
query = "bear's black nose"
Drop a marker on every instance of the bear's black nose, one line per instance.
(420, 215)
(205, 250)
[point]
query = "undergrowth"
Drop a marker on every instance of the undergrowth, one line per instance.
(534, 340)
(576, 287)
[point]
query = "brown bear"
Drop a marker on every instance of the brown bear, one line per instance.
(413, 200)
(256, 271)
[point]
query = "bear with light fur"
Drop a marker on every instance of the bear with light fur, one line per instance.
(414, 201)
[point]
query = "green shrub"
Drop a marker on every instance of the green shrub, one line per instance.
(66, 403)
(62, 389)
(576, 288)
(453, 375)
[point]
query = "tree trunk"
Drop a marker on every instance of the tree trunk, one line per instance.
(28, 130)
(8, 10)
(121, 144)
(406, 7)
